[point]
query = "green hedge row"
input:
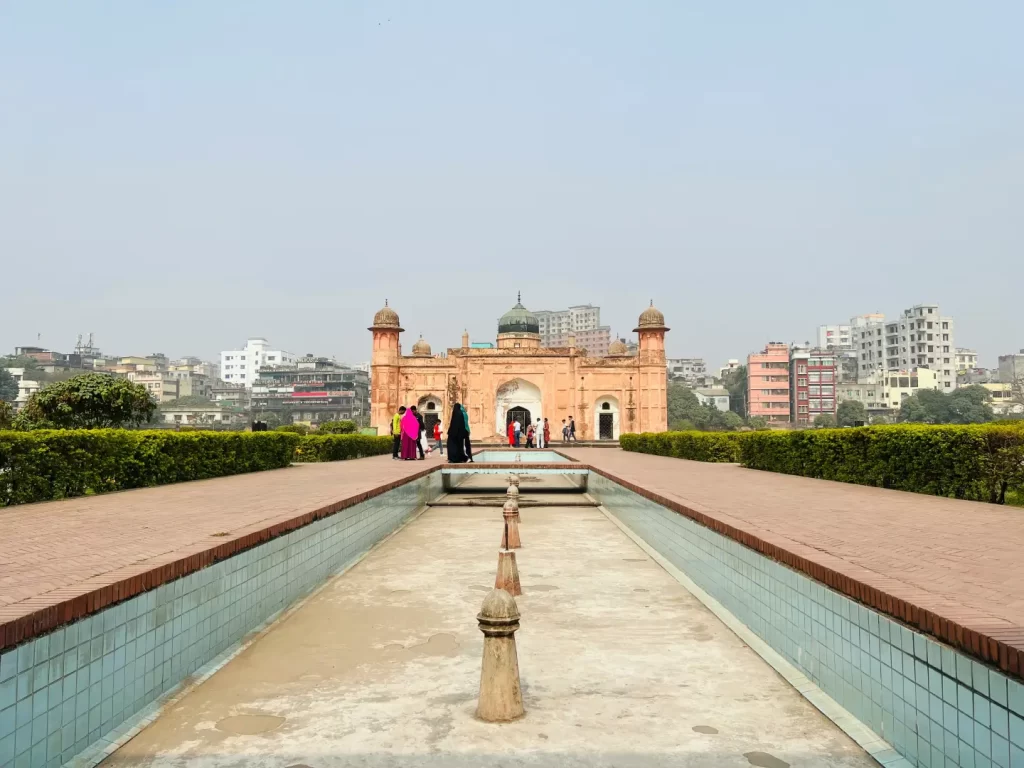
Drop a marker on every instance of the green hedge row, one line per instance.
(341, 447)
(977, 461)
(982, 462)
(696, 446)
(57, 464)
(43, 465)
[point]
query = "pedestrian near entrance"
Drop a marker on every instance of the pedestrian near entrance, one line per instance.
(421, 435)
(547, 433)
(459, 450)
(529, 436)
(538, 432)
(517, 431)
(437, 437)
(410, 435)
(396, 432)
(511, 434)
(565, 432)
(572, 429)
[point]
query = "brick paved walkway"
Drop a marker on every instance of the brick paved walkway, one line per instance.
(55, 553)
(959, 563)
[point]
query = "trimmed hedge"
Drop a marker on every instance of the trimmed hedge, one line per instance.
(42, 465)
(696, 446)
(341, 447)
(976, 461)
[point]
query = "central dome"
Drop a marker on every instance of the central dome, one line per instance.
(518, 320)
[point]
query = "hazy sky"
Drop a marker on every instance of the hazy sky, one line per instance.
(178, 176)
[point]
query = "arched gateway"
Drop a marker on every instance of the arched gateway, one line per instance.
(517, 398)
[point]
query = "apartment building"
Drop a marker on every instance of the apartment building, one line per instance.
(690, 370)
(312, 389)
(844, 336)
(922, 338)
(584, 321)
(966, 359)
(1011, 368)
(768, 383)
(813, 374)
(241, 366)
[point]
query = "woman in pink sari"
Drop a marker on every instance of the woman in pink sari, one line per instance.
(410, 435)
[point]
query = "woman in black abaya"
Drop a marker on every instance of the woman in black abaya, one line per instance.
(459, 450)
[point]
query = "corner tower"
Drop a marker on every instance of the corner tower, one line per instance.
(384, 368)
(653, 385)
(518, 328)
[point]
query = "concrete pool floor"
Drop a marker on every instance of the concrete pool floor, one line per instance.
(620, 666)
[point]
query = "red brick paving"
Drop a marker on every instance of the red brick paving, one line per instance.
(60, 560)
(952, 568)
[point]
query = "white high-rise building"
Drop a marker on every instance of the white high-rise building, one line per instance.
(922, 338)
(241, 366)
(845, 336)
(583, 322)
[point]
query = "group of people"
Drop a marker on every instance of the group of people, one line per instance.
(538, 436)
(409, 436)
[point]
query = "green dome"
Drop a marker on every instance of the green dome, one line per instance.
(518, 320)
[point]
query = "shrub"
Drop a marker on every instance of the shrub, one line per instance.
(980, 462)
(88, 401)
(295, 429)
(56, 464)
(343, 427)
(341, 447)
(696, 446)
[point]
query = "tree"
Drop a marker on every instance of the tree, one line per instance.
(88, 401)
(967, 405)
(686, 412)
(824, 421)
(758, 422)
(6, 414)
(850, 413)
(736, 382)
(8, 386)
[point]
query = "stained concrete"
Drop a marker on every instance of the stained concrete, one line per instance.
(620, 666)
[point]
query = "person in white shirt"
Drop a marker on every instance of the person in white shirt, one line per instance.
(517, 431)
(539, 432)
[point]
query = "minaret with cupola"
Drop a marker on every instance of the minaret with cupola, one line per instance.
(651, 329)
(385, 373)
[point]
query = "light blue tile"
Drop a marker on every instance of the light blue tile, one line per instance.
(997, 687)
(1000, 721)
(1015, 692)
(8, 665)
(1016, 730)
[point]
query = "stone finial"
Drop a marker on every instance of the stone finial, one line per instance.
(501, 697)
(507, 577)
(513, 479)
(510, 539)
(512, 492)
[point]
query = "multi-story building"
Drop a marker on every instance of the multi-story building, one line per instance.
(813, 375)
(26, 387)
(241, 366)
(584, 321)
(869, 344)
(768, 383)
(197, 366)
(212, 415)
(870, 393)
(715, 396)
(691, 370)
(922, 338)
(845, 336)
(966, 359)
(1011, 368)
(312, 389)
(728, 368)
(230, 395)
(162, 387)
(899, 385)
(1004, 399)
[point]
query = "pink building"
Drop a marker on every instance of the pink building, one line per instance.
(768, 383)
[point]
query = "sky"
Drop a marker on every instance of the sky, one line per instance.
(177, 177)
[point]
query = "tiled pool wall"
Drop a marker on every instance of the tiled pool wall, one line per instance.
(934, 705)
(66, 690)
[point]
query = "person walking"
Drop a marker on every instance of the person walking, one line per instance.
(421, 434)
(511, 434)
(572, 429)
(565, 432)
(437, 437)
(396, 432)
(517, 431)
(547, 433)
(538, 432)
(410, 435)
(529, 436)
(459, 451)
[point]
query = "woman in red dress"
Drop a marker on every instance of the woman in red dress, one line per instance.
(410, 435)
(511, 434)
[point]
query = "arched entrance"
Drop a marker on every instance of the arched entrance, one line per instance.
(606, 414)
(517, 398)
(429, 407)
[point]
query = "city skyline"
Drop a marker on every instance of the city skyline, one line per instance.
(173, 184)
